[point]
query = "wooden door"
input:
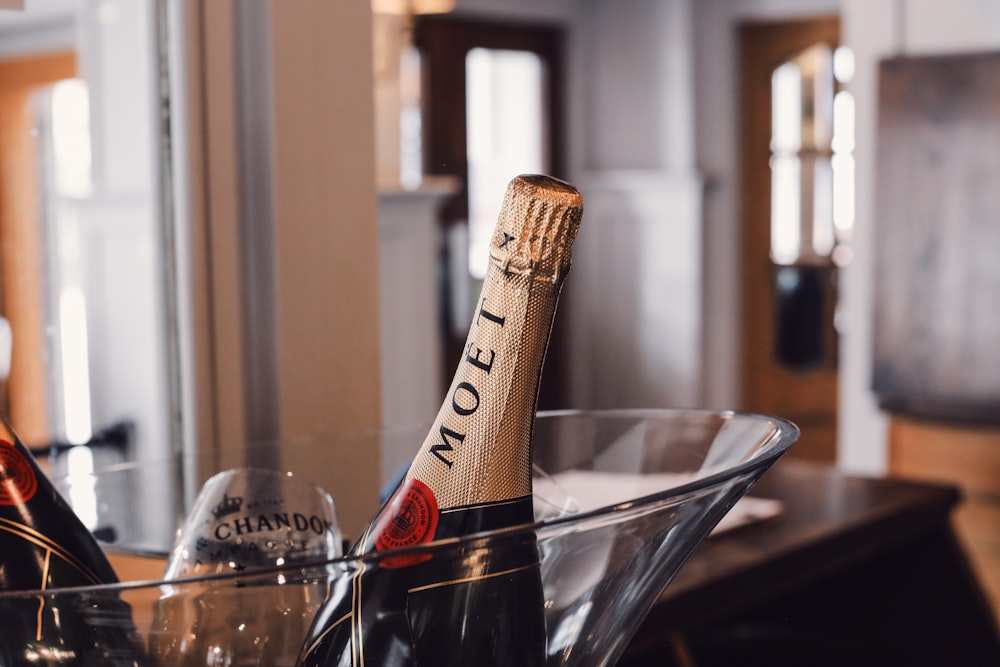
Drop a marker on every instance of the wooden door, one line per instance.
(789, 355)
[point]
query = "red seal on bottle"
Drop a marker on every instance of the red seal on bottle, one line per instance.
(17, 478)
(411, 518)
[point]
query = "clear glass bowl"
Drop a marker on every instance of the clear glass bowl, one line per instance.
(622, 499)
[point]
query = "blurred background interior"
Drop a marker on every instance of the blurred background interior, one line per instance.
(227, 221)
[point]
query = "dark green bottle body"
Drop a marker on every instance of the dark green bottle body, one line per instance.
(481, 604)
(479, 600)
(45, 547)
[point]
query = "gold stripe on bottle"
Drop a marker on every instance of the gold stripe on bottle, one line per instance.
(357, 627)
(468, 580)
(501, 503)
(41, 600)
(46, 543)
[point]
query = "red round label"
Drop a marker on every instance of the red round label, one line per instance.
(17, 479)
(410, 519)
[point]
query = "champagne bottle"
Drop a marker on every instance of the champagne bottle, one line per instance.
(472, 474)
(45, 547)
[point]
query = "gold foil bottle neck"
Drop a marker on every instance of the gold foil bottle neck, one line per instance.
(538, 224)
(479, 450)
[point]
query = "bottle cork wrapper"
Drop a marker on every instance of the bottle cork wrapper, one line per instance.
(479, 450)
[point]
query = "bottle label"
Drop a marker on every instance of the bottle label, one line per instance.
(410, 519)
(17, 478)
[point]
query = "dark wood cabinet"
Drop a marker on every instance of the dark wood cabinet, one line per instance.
(855, 571)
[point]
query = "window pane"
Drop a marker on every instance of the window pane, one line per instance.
(786, 208)
(843, 167)
(505, 105)
(822, 214)
(816, 63)
(69, 165)
(843, 122)
(843, 195)
(843, 64)
(786, 108)
(71, 138)
(812, 136)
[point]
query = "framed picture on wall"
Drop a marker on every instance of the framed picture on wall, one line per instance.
(937, 229)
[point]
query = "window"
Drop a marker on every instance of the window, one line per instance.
(504, 119)
(812, 162)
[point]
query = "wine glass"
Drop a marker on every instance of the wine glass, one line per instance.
(246, 520)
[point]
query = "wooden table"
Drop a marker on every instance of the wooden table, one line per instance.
(855, 571)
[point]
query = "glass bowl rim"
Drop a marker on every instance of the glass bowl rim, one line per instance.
(782, 435)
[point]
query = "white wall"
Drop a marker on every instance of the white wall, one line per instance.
(634, 302)
(637, 101)
(634, 298)
(557, 11)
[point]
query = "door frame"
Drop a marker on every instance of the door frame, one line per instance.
(763, 47)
